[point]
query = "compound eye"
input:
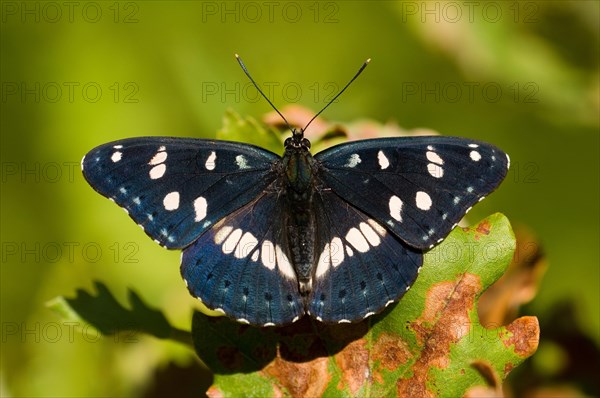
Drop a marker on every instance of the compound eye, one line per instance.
(288, 142)
(306, 143)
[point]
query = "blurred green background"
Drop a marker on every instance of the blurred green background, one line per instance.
(521, 75)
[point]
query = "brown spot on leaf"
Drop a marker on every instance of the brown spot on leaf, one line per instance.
(484, 227)
(444, 321)
(390, 351)
(525, 335)
(230, 357)
(353, 362)
(301, 379)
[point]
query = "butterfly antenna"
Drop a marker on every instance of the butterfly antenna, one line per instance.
(364, 65)
(261, 92)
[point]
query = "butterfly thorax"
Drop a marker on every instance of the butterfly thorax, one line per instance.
(298, 166)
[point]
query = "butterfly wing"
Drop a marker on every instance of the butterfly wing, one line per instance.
(241, 265)
(176, 188)
(418, 187)
(361, 267)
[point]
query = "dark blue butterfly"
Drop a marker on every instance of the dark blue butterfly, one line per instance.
(267, 239)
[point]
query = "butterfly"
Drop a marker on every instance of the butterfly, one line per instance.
(267, 239)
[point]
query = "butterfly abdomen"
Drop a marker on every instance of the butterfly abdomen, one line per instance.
(300, 221)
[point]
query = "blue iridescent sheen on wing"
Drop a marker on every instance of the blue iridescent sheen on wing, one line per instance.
(242, 266)
(362, 267)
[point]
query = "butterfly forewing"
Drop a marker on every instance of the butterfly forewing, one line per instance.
(176, 188)
(418, 187)
(242, 266)
(361, 267)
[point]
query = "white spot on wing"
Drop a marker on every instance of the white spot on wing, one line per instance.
(473, 146)
(356, 239)
(171, 201)
(475, 156)
(395, 206)
(337, 251)
(267, 254)
(434, 157)
(349, 251)
(423, 200)
(137, 200)
(241, 161)
(285, 267)
(118, 146)
(211, 161)
(435, 170)
(158, 171)
(324, 262)
(353, 160)
(245, 246)
(377, 227)
(222, 234)
(159, 158)
(231, 242)
(116, 156)
(370, 234)
(383, 160)
(508, 160)
(200, 206)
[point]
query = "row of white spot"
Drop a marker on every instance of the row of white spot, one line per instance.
(158, 161)
(211, 161)
(243, 244)
(171, 202)
(422, 201)
(434, 167)
(367, 235)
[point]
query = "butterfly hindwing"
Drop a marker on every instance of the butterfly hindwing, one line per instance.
(418, 187)
(176, 188)
(361, 267)
(242, 266)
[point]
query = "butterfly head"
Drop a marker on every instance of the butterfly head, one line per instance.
(297, 141)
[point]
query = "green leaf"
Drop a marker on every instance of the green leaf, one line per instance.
(429, 344)
(249, 131)
(108, 316)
